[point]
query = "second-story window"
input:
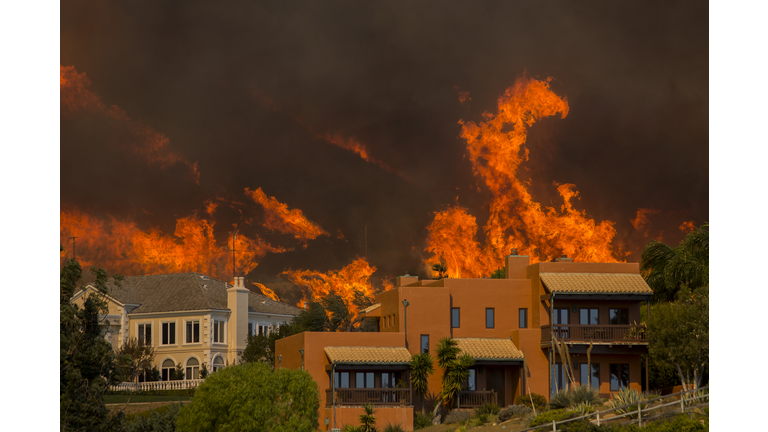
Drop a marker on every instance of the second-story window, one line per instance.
(424, 343)
(619, 316)
(342, 380)
(145, 334)
(588, 316)
(218, 331)
(490, 318)
(523, 317)
(192, 332)
(454, 317)
(169, 333)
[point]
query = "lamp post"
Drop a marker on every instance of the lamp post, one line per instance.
(405, 320)
(302, 358)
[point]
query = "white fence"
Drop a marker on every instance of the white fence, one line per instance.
(157, 385)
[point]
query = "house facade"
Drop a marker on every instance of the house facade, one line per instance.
(569, 323)
(189, 318)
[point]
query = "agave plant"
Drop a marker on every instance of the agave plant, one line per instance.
(585, 393)
(627, 396)
(561, 399)
(583, 408)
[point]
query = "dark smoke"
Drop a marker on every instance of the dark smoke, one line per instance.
(244, 87)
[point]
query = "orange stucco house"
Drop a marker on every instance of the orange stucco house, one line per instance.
(499, 322)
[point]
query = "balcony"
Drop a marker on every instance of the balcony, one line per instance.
(470, 399)
(612, 334)
(373, 396)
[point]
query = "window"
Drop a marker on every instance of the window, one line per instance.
(454, 317)
(389, 379)
(424, 343)
(561, 316)
(588, 316)
(592, 379)
(167, 370)
(560, 321)
(364, 379)
(471, 383)
(523, 317)
(169, 333)
(262, 330)
(619, 316)
(218, 363)
(341, 380)
(218, 331)
(250, 328)
(193, 369)
(192, 331)
(560, 381)
(490, 318)
(145, 334)
(619, 376)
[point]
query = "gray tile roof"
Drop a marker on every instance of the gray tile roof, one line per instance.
(187, 291)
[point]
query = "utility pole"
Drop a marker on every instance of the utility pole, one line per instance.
(74, 257)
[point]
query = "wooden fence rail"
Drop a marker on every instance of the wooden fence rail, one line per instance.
(476, 398)
(687, 400)
(597, 333)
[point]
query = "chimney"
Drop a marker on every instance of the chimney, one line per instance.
(515, 265)
(406, 280)
(564, 258)
(237, 325)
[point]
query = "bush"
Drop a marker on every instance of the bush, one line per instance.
(162, 419)
(585, 394)
(456, 416)
(393, 428)
(489, 408)
(421, 420)
(556, 415)
(538, 400)
(252, 396)
(583, 408)
(513, 411)
(482, 419)
(561, 399)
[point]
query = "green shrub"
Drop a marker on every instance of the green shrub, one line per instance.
(393, 428)
(538, 400)
(350, 428)
(456, 416)
(421, 420)
(583, 408)
(489, 408)
(513, 411)
(561, 399)
(482, 419)
(556, 415)
(585, 394)
(624, 397)
(162, 419)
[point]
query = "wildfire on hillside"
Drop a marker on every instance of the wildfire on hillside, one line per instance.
(277, 217)
(496, 150)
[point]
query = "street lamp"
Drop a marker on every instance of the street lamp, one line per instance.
(405, 320)
(302, 358)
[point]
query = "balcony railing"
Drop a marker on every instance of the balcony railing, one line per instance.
(598, 333)
(157, 385)
(469, 399)
(374, 396)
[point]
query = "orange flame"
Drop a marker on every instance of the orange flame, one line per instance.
(278, 217)
(688, 226)
(344, 282)
(642, 217)
(496, 150)
(147, 143)
(266, 291)
(123, 248)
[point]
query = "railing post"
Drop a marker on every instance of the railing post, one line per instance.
(598, 418)
(639, 414)
(554, 428)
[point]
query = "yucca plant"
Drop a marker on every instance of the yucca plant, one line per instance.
(368, 420)
(585, 393)
(393, 428)
(561, 399)
(624, 397)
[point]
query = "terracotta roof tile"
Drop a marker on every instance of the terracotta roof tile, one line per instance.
(489, 349)
(368, 355)
(602, 283)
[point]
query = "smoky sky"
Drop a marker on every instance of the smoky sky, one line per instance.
(244, 87)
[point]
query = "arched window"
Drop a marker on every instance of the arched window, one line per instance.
(218, 363)
(193, 369)
(168, 368)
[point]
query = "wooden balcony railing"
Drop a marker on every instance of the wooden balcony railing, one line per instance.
(469, 399)
(596, 333)
(373, 396)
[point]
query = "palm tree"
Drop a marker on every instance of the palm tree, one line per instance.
(455, 368)
(441, 270)
(666, 269)
(368, 420)
(421, 368)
